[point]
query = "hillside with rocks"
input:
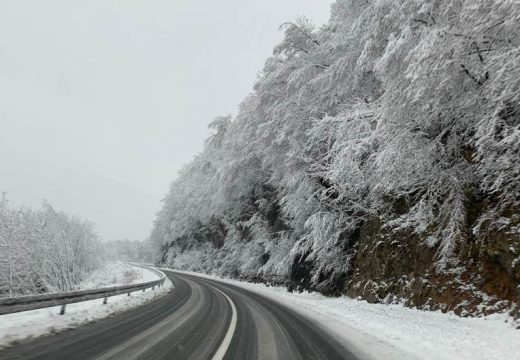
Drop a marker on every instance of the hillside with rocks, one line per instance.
(377, 156)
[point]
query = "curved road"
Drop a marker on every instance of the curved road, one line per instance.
(199, 319)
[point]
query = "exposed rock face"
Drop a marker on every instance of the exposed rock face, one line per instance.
(397, 265)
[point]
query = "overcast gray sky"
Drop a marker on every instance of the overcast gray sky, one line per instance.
(103, 101)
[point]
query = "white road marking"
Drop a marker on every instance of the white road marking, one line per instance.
(224, 346)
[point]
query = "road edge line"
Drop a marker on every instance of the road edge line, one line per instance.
(224, 346)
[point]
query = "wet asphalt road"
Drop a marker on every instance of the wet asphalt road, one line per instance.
(199, 319)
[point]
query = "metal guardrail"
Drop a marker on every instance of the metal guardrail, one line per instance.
(32, 302)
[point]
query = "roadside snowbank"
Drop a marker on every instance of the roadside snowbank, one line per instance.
(377, 331)
(22, 326)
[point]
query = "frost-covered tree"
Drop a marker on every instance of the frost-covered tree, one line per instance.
(44, 250)
(402, 115)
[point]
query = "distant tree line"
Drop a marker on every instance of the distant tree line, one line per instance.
(130, 250)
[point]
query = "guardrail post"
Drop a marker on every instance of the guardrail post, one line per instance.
(62, 311)
(105, 301)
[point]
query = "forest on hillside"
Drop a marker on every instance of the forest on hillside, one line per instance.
(377, 156)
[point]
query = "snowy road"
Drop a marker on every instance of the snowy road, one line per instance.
(200, 319)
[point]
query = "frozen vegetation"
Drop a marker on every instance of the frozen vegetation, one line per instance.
(29, 324)
(45, 250)
(377, 156)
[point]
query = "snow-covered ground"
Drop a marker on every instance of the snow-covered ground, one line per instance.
(28, 324)
(377, 331)
(117, 273)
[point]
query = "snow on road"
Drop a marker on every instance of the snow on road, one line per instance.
(372, 331)
(21, 326)
(380, 331)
